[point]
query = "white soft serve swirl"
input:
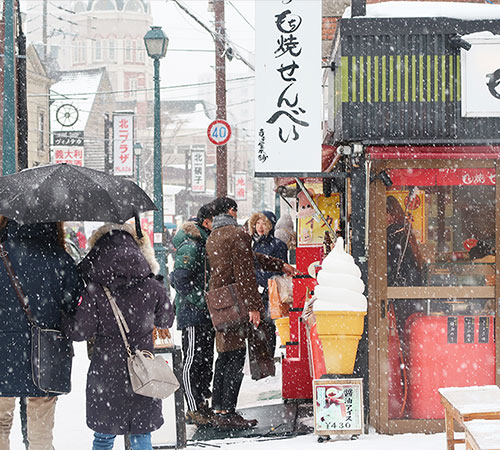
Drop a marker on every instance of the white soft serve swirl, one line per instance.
(340, 285)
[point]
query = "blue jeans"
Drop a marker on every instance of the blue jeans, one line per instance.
(137, 441)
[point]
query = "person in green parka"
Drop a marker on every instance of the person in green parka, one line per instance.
(190, 281)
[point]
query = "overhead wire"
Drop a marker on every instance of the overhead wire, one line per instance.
(179, 86)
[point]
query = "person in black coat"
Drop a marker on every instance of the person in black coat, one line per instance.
(50, 280)
(124, 263)
(403, 268)
(261, 226)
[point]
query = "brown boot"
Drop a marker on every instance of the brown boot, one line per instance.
(199, 418)
(232, 421)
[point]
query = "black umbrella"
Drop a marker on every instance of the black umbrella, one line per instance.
(64, 192)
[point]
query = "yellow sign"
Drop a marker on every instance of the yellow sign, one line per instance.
(311, 229)
(415, 210)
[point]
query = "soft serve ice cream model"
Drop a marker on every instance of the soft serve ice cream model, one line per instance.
(339, 308)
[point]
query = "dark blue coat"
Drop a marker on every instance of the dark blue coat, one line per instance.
(116, 261)
(268, 245)
(50, 280)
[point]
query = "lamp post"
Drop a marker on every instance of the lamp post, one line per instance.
(137, 153)
(156, 43)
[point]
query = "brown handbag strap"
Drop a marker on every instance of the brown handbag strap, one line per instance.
(120, 319)
(23, 300)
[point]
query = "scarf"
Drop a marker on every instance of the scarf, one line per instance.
(223, 220)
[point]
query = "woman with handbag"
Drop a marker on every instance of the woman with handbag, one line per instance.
(36, 266)
(263, 342)
(122, 264)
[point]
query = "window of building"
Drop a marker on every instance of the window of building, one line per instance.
(141, 52)
(104, 5)
(134, 50)
(128, 51)
(83, 51)
(183, 148)
(133, 87)
(111, 50)
(134, 5)
(97, 50)
(41, 132)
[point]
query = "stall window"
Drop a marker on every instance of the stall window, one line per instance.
(441, 227)
(441, 240)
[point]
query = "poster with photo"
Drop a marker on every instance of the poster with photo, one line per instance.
(338, 406)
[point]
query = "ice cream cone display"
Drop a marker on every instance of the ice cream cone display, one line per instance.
(339, 310)
(283, 326)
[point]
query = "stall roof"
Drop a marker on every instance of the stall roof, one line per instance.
(452, 10)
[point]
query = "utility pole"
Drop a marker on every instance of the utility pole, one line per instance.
(22, 100)
(44, 31)
(107, 154)
(220, 93)
(9, 93)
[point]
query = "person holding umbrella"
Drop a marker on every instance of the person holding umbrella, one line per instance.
(120, 264)
(49, 278)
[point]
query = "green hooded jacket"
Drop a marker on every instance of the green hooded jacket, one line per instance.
(191, 270)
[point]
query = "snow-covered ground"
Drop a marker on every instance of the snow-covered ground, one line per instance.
(72, 433)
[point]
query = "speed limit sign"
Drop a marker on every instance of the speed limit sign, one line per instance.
(219, 132)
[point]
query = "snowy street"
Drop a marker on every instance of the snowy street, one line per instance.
(72, 433)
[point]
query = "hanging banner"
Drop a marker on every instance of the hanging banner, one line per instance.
(123, 144)
(67, 147)
(288, 86)
(481, 76)
(197, 171)
(240, 186)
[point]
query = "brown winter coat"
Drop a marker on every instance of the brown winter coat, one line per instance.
(231, 259)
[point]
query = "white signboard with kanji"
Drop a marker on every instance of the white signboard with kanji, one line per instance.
(123, 144)
(197, 171)
(288, 86)
(67, 147)
(481, 76)
(240, 186)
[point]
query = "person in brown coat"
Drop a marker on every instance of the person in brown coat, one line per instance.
(231, 260)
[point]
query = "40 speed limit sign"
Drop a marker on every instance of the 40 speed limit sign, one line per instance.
(219, 132)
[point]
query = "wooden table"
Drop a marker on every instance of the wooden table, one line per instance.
(468, 403)
(482, 435)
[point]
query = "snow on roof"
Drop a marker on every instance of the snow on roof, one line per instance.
(452, 10)
(196, 119)
(66, 92)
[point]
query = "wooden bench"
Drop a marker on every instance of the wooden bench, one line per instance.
(482, 435)
(468, 403)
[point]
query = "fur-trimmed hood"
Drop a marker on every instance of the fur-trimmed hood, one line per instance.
(267, 216)
(190, 230)
(113, 255)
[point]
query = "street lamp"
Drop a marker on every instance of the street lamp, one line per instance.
(156, 43)
(137, 153)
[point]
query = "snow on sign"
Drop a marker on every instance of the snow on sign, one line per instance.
(219, 132)
(288, 86)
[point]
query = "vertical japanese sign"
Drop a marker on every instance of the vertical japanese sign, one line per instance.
(338, 406)
(240, 186)
(288, 86)
(67, 147)
(197, 171)
(123, 144)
